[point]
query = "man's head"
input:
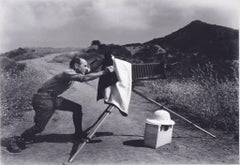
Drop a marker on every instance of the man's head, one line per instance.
(80, 65)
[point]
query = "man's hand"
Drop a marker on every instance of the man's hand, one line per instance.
(109, 69)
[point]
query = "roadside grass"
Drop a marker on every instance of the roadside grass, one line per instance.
(17, 88)
(210, 101)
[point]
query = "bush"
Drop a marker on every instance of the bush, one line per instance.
(11, 66)
(17, 89)
(211, 101)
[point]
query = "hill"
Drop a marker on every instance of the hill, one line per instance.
(213, 41)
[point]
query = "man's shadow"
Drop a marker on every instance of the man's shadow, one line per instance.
(53, 138)
(50, 138)
(63, 138)
(67, 138)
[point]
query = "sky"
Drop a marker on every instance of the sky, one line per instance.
(75, 23)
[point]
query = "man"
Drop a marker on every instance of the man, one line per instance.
(47, 100)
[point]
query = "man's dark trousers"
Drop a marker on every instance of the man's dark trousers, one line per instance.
(45, 105)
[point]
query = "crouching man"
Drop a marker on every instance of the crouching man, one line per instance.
(47, 100)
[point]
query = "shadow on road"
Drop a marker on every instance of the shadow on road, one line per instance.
(53, 138)
(134, 143)
(65, 138)
(98, 134)
(60, 138)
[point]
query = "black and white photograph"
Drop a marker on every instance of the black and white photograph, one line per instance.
(119, 82)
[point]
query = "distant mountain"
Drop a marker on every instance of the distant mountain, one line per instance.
(213, 41)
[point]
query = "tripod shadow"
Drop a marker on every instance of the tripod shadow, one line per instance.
(99, 134)
(134, 143)
(63, 138)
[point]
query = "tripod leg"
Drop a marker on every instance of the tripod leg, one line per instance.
(99, 118)
(92, 132)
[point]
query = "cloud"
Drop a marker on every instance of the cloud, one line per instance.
(117, 14)
(54, 22)
(106, 14)
(36, 14)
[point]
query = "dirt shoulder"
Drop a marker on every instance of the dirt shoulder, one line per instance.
(119, 139)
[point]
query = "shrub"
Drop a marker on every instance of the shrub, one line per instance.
(11, 66)
(211, 101)
(17, 89)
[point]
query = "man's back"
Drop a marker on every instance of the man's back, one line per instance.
(58, 83)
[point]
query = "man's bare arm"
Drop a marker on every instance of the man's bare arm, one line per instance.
(91, 76)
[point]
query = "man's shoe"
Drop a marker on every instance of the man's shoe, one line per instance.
(21, 143)
(12, 147)
(28, 138)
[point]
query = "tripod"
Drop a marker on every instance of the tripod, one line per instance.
(93, 129)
